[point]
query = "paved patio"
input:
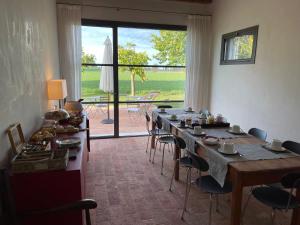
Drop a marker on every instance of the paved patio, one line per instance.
(131, 121)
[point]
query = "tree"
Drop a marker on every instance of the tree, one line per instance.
(170, 46)
(129, 56)
(87, 58)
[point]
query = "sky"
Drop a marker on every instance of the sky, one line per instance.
(93, 40)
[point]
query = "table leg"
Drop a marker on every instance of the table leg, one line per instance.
(177, 156)
(153, 137)
(296, 212)
(236, 200)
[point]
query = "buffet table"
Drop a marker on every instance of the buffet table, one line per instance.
(48, 189)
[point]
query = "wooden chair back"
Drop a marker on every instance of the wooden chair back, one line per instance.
(16, 137)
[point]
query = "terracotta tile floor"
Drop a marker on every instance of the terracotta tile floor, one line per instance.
(130, 190)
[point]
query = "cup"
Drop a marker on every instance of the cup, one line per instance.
(228, 147)
(276, 144)
(189, 109)
(202, 121)
(188, 121)
(236, 128)
(173, 117)
(163, 110)
(197, 130)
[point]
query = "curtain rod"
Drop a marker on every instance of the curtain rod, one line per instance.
(133, 9)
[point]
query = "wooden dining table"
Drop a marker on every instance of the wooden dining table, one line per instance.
(246, 173)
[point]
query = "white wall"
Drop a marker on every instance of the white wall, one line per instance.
(28, 57)
(265, 94)
(141, 16)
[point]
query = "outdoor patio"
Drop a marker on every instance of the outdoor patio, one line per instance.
(131, 122)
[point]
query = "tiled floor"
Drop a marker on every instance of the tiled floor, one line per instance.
(130, 190)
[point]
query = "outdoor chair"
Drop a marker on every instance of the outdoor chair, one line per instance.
(136, 105)
(103, 104)
(9, 216)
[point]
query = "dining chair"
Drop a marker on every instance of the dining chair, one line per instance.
(279, 199)
(293, 147)
(258, 133)
(164, 106)
(153, 132)
(162, 140)
(206, 184)
(185, 161)
(9, 216)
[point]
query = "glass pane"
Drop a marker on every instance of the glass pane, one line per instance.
(101, 116)
(239, 47)
(94, 42)
(156, 84)
(96, 82)
(151, 47)
(140, 83)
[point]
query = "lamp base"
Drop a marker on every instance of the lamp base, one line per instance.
(107, 121)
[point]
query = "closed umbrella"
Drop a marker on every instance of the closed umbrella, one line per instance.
(107, 80)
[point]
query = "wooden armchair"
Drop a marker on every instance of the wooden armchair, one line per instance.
(8, 215)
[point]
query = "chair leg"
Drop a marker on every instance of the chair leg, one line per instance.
(148, 143)
(162, 160)
(210, 208)
(154, 153)
(272, 216)
(246, 205)
(170, 188)
(186, 194)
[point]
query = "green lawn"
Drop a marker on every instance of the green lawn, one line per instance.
(170, 84)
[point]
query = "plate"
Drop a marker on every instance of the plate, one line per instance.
(162, 112)
(210, 140)
(237, 133)
(228, 153)
(268, 146)
(198, 135)
(182, 127)
(68, 142)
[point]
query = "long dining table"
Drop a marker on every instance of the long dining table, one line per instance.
(240, 173)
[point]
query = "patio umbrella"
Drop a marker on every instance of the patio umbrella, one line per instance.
(107, 80)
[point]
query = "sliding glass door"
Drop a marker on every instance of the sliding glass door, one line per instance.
(145, 68)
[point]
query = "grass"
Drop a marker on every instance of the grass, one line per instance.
(170, 84)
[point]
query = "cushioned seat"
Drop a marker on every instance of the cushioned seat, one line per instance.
(274, 197)
(210, 185)
(166, 139)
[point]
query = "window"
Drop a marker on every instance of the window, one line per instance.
(239, 47)
(147, 68)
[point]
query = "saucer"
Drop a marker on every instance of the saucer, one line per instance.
(198, 135)
(269, 147)
(189, 111)
(228, 153)
(162, 112)
(210, 140)
(237, 133)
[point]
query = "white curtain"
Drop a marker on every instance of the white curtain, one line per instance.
(69, 40)
(198, 62)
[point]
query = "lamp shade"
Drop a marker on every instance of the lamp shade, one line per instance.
(57, 89)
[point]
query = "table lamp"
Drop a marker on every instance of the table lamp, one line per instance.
(57, 90)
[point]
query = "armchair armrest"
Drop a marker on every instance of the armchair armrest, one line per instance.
(84, 204)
